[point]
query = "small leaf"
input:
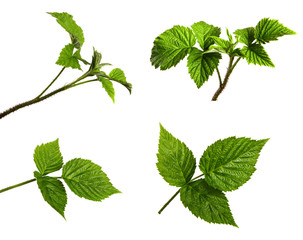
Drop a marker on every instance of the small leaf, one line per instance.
(108, 86)
(96, 61)
(230, 37)
(118, 75)
(67, 22)
(206, 203)
(222, 43)
(203, 32)
(86, 179)
(53, 193)
(269, 30)
(202, 65)
(48, 157)
(256, 54)
(228, 164)
(176, 163)
(69, 59)
(246, 35)
(171, 46)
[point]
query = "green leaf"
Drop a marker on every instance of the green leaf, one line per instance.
(96, 62)
(86, 179)
(48, 157)
(176, 163)
(108, 86)
(203, 32)
(202, 65)
(269, 30)
(256, 54)
(246, 35)
(222, 43)
(53, 193)
(171, 46)
(67, 22)
(228, 164)
(118, 75)
(69, 59)
(230, 37)
(206, 203)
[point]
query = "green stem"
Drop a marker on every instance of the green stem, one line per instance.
(173, 197)
(50, 83)
(219, 76)
(41, 98)
(17, 185)
(230, 68)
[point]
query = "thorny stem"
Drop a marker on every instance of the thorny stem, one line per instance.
(40, 98)
(173, 197)
(17, 185)
(230, 68)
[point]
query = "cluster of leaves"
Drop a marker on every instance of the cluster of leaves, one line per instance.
(83, 177)
(70, 56)
(226, 165)
(171, 46)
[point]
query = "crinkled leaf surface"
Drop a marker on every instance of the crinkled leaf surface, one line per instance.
(176, 163)
(87, 180)
(48, 158)
(246, 35)
(203, 31)
(269, 30)
(202, 65)
(171, 46)
(108, 86)
(228, 164)
(222, 43)
(67, 22)
(206, 203)
(256, 54)
(53, 193)
(68, 58)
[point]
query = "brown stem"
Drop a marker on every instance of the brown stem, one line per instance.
(222, 86)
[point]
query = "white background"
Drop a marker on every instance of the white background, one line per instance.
(259, 102)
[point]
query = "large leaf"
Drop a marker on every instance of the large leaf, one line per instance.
(269, 30)
(256, 54)
(86, 179)
(171, 46)
(48, 157)
(53, 193)
(202, 65)
(68, 58)
(246, 35)
(203, 32)
(206, 202)
(176, 163)
(228, 164)
(67, 22)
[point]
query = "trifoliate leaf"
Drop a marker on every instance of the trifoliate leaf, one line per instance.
(69, 59)
(171, 46)
(246, 35)
(203, 31)
(86, 179)
(176, 163)
(228, 164)
(108, 86)
(53, 193)
(202, 65)
(118, 75)
(256, 54)
(269, 30)
(67, 22)
(48, 157)
(206, 203)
